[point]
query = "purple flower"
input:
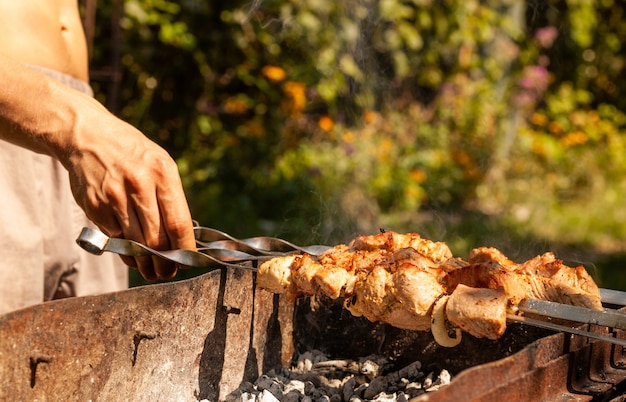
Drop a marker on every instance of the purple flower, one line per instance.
(532, 85)
(546, 36)
(534, 78)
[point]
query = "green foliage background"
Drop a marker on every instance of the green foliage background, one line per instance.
(472, 122)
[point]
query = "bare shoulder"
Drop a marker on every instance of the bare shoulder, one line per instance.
(44, 32)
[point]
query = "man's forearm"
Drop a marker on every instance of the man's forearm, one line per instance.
(36, 112)
(126, 184)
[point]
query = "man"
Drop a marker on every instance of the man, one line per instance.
(57, 141)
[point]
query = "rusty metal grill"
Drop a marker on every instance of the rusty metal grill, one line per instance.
(201, 338)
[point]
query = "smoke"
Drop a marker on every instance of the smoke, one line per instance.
(254, 6)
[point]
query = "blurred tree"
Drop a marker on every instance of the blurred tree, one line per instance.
(285, 115)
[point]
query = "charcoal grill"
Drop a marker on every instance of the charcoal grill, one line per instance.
(177, 341)
(202, 337)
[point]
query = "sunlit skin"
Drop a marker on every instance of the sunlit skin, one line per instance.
(127, 185)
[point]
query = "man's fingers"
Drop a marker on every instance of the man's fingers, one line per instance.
(175, 215)
(132, 229)
(129, 261)
(146, 209)
(138, 197)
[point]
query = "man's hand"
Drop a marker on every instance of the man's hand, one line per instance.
(129, 187)
(126, 184)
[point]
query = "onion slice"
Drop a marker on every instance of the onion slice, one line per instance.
(438, 325)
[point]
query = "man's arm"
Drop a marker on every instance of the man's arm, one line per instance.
(126, 184)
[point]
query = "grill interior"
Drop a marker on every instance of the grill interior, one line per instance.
(203, 337)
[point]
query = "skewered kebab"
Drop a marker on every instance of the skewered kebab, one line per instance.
(344, 270)
(416, 284)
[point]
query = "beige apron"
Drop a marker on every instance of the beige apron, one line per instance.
(39, 224)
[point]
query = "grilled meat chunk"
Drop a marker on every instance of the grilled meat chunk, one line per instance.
(400, 278)
(391, 241)
(400, 294)
(303, 271)
(275, 275)
(417, 289)
(543, 277)
(480, 312)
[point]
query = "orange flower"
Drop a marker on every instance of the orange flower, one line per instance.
(296, 97)
(385, 148)
(465, 55)
(369, 117)
(417, 175)
(538, 148)
(348, 137)
(575, 138)
(255, 128)
(326, 123)
(235, 105)
(466, 161)
(274, 73)
(555, 127)
(539, 119)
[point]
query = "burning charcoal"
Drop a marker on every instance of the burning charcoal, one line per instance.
(267, 396)
(393, 378)
(360, 390)
(292, 396)
(414, 389)
(318, 356)
(311, 380)
(243, 397)
(301, 366)
(332, 384)
(442, 380)
(309, 387)
(307, 359)
(319, 395)
(245, 393)
(378, 385)
(305, 362)
(384, 397)
(401, 397)
(372, 366)
(340, 380)
(402, 383)
(348, 388)
(248, 397)
(344, 367)
(294, 386)
(412, 371)
(428, 381)
(445, 377)
(247, 387)
(266, 383)
(392, 388)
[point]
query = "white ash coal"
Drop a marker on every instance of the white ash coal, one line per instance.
(315, 377)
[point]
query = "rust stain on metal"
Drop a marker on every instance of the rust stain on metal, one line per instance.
(201, 338)
(559, 367)
(174, 339)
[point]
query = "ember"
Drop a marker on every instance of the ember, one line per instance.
(316, 378)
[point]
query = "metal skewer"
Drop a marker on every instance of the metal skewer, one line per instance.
(563, 328)
(218, 249)
(96, 242)
(611, 296)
